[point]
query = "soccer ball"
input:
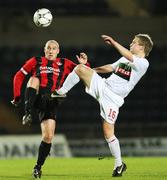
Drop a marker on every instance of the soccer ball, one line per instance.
(42, 17)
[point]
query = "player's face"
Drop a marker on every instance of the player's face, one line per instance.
(135, 46)
(51, 51)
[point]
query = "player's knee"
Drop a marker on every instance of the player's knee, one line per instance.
(81, 69)
(108, 130)
(108, 135)
(33, 82)
(48, 138)
(110, 139)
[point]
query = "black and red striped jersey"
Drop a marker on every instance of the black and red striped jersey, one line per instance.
(51, 74)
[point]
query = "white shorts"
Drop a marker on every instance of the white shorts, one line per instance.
(109, 108)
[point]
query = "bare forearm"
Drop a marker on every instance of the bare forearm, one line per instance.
(122, 50)
(104, 69)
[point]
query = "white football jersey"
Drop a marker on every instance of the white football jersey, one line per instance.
(126, 75)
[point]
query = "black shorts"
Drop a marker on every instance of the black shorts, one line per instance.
(45, 107)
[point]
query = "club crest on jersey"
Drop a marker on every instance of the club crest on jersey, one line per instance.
(124, 71)
(59, 63)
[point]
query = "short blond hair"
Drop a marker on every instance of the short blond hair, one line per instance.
(52, 41)
(146, 41)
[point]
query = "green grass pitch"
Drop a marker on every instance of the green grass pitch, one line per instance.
(139, 168)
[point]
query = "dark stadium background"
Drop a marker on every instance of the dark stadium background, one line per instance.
(77, 26)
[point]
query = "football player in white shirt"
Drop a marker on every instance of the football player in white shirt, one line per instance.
(110, 92)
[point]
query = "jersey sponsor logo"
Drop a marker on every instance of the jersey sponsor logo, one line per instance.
(48, 69)
(124, 71)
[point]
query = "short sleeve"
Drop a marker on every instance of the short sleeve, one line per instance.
(115, 64)
(140, 64)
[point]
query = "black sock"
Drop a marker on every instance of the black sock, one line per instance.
(44, 150)
(30, 97)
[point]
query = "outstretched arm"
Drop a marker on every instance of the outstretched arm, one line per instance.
(122, 50)
(19, 79)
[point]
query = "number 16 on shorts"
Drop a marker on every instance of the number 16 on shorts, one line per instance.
(112, 114)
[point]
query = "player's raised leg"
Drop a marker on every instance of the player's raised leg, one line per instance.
(80, 72)
(85, 73)
(30, 97)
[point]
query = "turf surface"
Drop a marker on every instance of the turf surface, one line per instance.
(142, 168)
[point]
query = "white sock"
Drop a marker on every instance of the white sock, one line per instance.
(71, 80)
(115, 150)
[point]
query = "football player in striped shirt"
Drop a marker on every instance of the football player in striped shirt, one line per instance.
(47, 74)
